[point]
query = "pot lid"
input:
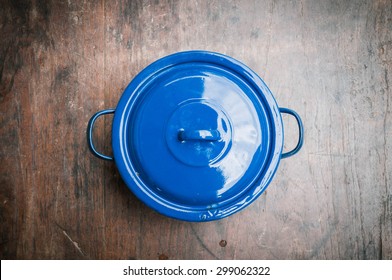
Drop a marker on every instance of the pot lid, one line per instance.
(197, 136)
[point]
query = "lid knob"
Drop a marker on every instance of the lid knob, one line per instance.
(199, 135)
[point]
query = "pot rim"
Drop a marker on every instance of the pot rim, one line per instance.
(141, 189)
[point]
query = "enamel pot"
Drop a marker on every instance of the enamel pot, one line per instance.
(197, 136)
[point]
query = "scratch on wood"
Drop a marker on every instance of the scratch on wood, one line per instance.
(202, 243)
(84, 57)
(269, 34)
(331, 155)
(74, 243)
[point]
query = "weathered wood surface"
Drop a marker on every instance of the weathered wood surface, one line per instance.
(61, 61)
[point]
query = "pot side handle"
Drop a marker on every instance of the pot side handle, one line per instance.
(300, 130)
(90, 128)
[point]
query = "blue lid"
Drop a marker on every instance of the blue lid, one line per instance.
(197, 136)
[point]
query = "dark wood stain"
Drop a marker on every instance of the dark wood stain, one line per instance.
(163, 257)
(223, 243)
(61, 76)
(61, 61)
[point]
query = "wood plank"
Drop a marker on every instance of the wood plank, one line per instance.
(61, 61)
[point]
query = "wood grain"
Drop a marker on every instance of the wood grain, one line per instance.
(61, 61)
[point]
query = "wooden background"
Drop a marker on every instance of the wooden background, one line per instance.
(61, 61)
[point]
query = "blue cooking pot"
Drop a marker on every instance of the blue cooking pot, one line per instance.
(197, 136)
